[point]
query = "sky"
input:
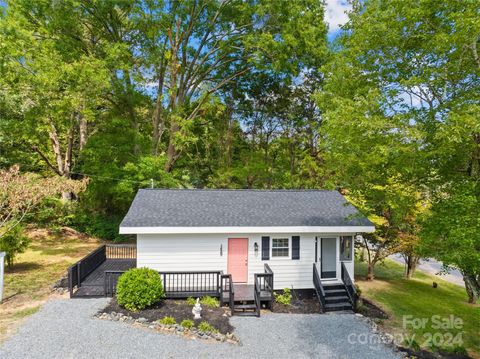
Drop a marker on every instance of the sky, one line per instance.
(335, 16)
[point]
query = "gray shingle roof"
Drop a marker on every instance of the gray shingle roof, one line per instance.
(240, 208)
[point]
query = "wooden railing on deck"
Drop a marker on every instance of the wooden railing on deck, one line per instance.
(226, 286)
(317, 283)
(352, 293)
(121, 251)
(80, 270)
(177, 284)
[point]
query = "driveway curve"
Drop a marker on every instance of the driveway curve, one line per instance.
(66, 329)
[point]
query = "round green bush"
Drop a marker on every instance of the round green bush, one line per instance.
(139, 288)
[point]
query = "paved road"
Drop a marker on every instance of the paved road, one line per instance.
(65, 329)
(433, 267)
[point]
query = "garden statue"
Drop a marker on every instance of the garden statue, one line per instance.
(197, 309)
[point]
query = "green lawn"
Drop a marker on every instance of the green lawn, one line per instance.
(417, 298)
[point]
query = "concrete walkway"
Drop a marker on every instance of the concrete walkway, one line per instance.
(66, 329)
(433, 267)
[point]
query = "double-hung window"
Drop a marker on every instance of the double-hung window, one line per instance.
(280, 247)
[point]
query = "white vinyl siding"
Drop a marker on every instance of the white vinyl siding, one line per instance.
(197, 252)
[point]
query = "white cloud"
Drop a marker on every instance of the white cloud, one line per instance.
(335, 13)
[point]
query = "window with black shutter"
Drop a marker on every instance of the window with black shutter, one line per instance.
(296, 247)
(265, 248)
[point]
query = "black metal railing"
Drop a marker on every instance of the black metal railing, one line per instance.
(177, 284)
(347, 281)
(121, 251)
(226, 286)
(256, 294)
(317, 283)
(73, 277)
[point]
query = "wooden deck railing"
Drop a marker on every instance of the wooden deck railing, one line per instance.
(317, 283)
(226, 286)
(80, 270)
(121, 251)
(352, 293)
(176, 284)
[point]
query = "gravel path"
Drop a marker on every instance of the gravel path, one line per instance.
(66, 329)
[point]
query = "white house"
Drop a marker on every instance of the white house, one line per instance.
(238, 232)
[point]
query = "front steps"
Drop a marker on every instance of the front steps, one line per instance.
(336, 298)
(245, 309)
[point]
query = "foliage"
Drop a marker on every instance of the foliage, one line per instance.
(168, 320)
(210, 301)
(13, 243)
(416, 298)
(139, 288)
(21, 193)
(206, 327)
(187, 323)
(451, 233)
(285, 298)
(191, 301)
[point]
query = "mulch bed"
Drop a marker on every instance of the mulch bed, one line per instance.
(180, 310)
(370, 310)
(298, 306)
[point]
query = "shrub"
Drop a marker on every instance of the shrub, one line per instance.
(191, 301)
(209, 302)
(12, 243)
(168, 321)
(139, 288)
(284, 298)
(206, 327)
(187, 323)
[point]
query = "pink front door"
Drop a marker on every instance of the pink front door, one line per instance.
(238, 259)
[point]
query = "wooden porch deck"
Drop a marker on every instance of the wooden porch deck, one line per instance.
(93, 284)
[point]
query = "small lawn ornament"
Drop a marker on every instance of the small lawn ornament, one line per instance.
(197, 309)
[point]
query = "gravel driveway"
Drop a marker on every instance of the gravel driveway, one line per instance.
(66, 329)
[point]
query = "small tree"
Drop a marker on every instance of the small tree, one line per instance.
(13, 243)
(21, 193)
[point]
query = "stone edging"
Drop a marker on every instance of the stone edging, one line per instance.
(176, 329)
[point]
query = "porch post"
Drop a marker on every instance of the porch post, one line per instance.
(2, 256)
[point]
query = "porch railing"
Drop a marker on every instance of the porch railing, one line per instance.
(121, 251)
(226, 286)
(176, 284)
(317, 283)
(256, 294)
(265, 280)
(347, 281)
(80, 270)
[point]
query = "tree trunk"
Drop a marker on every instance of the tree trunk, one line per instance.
(83, 131)
(56, 148)
(472, 286)
(411, 262)
(370, 273)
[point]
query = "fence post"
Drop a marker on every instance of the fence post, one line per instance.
(2, 256)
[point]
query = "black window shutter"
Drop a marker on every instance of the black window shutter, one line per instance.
(265, 248)
(296, 247)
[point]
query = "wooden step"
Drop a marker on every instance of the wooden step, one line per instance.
(333, 286)
(335, 292)
(333, 307)
(244, 306)
(337, 299)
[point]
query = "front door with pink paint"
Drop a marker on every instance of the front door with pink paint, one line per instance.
(238, 259)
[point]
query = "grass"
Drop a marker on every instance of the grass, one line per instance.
(417, 298)
(28, 283)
